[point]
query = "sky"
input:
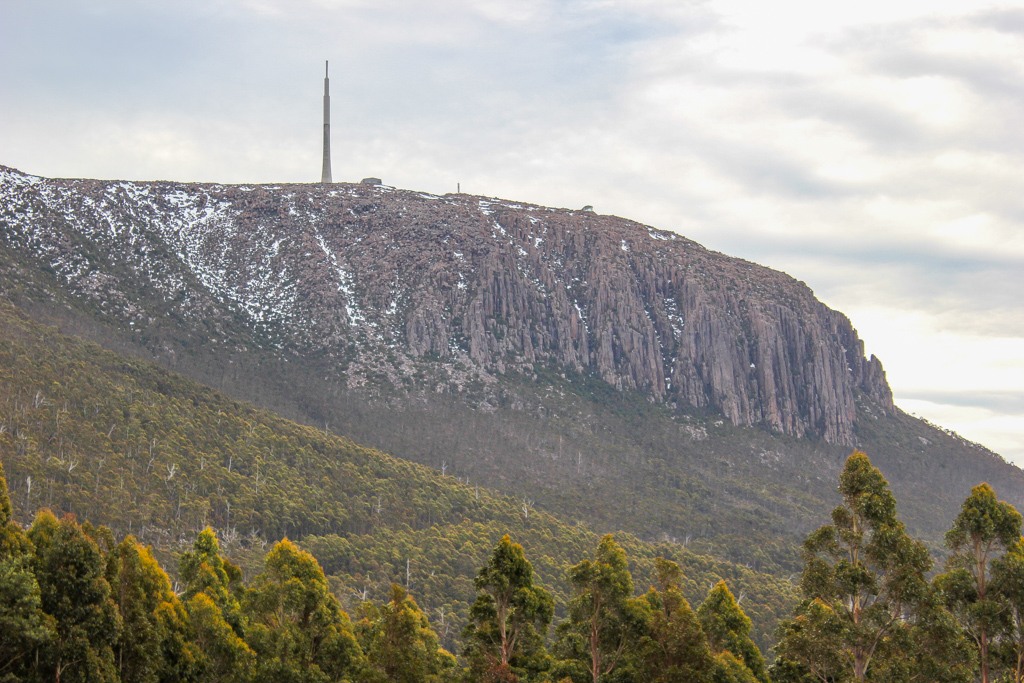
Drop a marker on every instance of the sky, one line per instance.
(871, 149)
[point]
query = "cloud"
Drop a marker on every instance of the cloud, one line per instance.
(977, 423)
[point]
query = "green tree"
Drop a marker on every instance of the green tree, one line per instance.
(731, 669)
(75, 593)
(1008, 583)
(727, 629)
(809, 646)
(220, 654)
(214, 614)
(603, 621)
(510, 616)
(400, 645)
(204, 570)
(674, 647)
(13, 542)
(862, 573)
(24, 626)
(929, 647)
(984, 527)
(296, 626)
(152, 647)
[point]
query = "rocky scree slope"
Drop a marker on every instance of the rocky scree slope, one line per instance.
(449, 292)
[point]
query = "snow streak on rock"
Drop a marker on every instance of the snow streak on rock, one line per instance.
(418, 290)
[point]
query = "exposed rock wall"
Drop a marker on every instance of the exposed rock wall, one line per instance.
(387, 282)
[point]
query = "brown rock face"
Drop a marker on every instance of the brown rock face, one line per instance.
(390, 282)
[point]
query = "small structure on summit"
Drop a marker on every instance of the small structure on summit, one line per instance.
(371, 181)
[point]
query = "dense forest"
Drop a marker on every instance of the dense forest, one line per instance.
(79, 606)
(76, 604)
(145, 452)
(221, 542)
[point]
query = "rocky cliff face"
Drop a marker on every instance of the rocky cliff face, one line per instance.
(411, 288)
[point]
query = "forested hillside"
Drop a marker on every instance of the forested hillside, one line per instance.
(78, 604)
(143, 451)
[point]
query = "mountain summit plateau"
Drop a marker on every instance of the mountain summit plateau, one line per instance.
(448, 293)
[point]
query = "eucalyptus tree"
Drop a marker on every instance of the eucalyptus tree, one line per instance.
(212, 584)
(510, 616)
(75, 594)
(296, 626)
(674, 646)
(985, 527)
(862, 574)
(727, 628)
(24, 626)
(605, 622)
(153, 646)
(1008, 582)
(400, 645)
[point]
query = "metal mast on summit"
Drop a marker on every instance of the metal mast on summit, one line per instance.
(326, 175)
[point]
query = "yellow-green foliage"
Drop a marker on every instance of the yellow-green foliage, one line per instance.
(124, 444)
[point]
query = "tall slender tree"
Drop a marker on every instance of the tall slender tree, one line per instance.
(727, 628)
(861, 574)
(603, 622)
(928, 647)
(400, 645)
(809, 646)
(13, 541)
(152, 646)
(204, 570)
(75, 593)
(510, 617)
(296, 626)
(1008, 582)
(24, 626)
(214, 612)
(985, 527)
(221, 655)
(674, 646)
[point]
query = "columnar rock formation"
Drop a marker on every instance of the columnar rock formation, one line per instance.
(389, 283)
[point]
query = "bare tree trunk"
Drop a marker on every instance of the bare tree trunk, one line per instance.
(983, 649)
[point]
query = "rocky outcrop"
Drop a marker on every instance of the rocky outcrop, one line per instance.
(389, 282)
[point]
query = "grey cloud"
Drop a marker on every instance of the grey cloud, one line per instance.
(901, 50)
(977, 293)
(990, 78)
(768, 171)
(885, 128)
(997, 401)
(1009, 20)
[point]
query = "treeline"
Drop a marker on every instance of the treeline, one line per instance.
(870, 613)
(75, 605)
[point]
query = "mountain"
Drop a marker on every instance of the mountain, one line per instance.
(380, 281)
(591, 366)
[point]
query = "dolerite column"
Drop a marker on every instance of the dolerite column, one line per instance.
(326, 175)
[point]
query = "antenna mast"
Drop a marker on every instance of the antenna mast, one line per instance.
(325, 177)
